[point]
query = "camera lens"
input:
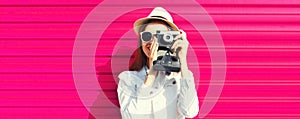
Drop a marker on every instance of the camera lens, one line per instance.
(168, 38)
(146, 36)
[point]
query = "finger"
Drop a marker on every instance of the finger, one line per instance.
(175, 44)
(183, 34)
(156, 46)
(184, 40)
(178, 37)
(154, 50)
(154, 54)
(154, 43)
(151, 47)
(178, 47)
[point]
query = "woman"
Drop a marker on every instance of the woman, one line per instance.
(145, 93)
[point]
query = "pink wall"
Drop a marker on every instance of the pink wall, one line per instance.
(261, 39)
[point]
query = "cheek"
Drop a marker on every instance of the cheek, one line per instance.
(145, 49)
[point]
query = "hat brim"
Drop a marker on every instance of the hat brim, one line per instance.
(138, 23)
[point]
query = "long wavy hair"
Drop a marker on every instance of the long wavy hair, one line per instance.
(140, 58)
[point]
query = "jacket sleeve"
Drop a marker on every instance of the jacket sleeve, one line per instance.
(126, 92)
(188, 104)
(129, 88)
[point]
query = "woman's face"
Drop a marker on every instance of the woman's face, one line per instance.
(152, 27)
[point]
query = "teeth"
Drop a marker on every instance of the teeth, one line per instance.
(148, 46)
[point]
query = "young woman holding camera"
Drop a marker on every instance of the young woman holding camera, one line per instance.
(146, 93)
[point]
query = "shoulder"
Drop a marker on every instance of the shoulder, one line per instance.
(129, 79)
(127, 75)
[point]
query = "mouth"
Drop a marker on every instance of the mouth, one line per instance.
(148, 46)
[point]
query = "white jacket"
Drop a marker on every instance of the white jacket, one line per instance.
(170, 97)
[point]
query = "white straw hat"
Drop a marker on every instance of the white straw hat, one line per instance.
(157, 13)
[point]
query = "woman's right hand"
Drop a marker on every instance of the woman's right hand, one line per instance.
(152, 57)
(153, 53)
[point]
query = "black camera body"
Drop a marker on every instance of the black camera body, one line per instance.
(167, 62)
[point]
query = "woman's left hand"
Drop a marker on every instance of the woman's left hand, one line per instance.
(181, 46)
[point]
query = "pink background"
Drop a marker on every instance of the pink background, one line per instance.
(261, 38)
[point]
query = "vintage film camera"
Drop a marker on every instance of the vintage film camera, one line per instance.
(168, 61)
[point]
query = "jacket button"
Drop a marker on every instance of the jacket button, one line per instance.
(151, 92)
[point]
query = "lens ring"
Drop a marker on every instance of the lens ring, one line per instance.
(146, 36)
(168, 37)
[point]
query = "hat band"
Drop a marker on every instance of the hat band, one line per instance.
(160, 17)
